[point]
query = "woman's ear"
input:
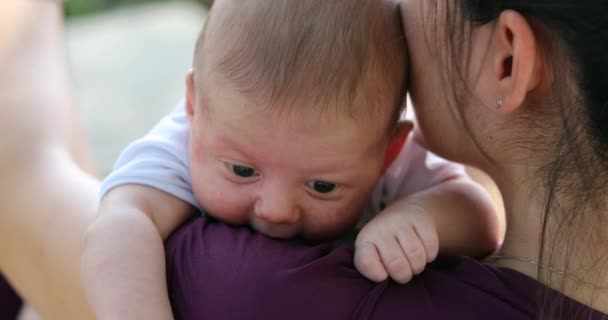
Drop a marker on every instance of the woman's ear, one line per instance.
(516, 59)
(190, 95)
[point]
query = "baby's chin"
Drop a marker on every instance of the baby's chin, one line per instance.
(287, 231)
(276, 231)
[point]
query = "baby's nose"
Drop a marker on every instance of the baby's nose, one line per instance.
(277, 209)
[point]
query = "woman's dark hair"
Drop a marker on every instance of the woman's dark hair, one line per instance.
(574, 39)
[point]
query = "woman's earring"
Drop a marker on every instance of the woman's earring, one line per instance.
(499, 103)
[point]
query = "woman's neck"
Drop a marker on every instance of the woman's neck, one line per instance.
(574, 238)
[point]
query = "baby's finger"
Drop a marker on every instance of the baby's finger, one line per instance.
(368, 262)
(427, 232)
(394, 260)
(413, 249)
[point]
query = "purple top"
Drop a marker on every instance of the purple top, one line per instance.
(221, 272)
(10, 304)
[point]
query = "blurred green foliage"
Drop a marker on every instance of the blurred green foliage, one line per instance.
(81, 7)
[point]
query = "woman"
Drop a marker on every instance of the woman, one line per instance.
(514, 89)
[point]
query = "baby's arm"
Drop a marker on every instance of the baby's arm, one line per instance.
(123, 266)
(464, 216)
(433, 207)
(453, 217)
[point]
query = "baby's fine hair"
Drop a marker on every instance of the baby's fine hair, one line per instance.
(327, 53)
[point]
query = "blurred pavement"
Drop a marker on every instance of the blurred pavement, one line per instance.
(128, 67)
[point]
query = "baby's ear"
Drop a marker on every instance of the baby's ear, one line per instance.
(402, 131)
(190, 95)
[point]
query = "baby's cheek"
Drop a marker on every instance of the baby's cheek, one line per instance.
(224, 203)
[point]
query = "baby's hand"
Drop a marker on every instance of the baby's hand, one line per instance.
(398, 242)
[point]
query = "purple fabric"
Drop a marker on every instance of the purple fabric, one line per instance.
(10, 304)
(221, 272)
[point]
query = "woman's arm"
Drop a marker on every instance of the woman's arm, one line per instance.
(46, 199)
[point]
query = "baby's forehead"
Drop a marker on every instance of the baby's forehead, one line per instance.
(242, 117)
(365, 108)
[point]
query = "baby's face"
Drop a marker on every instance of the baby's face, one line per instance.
(286, 174)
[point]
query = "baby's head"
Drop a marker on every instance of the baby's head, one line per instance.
(293, 104)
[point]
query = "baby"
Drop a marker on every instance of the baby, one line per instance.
(291, 124)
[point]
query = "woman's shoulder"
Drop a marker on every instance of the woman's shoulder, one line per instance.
(218, 271)
(459, 288)
(464, 288)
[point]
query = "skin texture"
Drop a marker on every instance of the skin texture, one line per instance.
(507, 61)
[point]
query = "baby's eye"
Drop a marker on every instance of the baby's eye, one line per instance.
(322, 186)
(242, 171)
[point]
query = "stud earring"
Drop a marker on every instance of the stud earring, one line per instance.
(499, 103)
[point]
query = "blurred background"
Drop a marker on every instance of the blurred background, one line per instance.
(128, 59)
(79, 7)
